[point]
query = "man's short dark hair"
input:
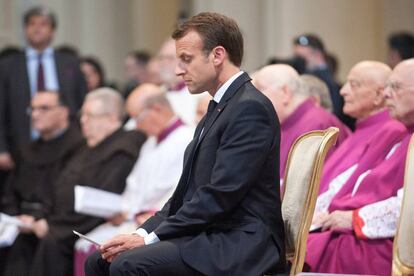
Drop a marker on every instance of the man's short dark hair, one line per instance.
(310, 40)
(403, 43)
(40, 11)
(215, 30)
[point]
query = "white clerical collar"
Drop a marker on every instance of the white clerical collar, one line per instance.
(222, 90)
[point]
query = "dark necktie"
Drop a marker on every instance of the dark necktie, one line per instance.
(211, 107)
(182, 187)
(40, 74)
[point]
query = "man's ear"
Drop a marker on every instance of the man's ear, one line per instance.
(219, 54)
(286, 94)
(379, 96)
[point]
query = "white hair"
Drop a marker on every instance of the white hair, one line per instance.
(111, 100)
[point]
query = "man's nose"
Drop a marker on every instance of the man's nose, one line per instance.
(344, 89)
(387, 92)
(179, 70)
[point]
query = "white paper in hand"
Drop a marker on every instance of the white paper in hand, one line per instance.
(85, 238)
(6, 219)
(97, 202)
(8, 234)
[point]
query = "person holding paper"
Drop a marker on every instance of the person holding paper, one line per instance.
(104, 162)
(28, 192)
(29, 189)
(156, 171)
(224, 218)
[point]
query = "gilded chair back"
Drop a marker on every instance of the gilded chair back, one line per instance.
(301, 186)
(403, 253)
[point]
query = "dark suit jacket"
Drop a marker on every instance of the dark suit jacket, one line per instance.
(15, 96)
(230, 222)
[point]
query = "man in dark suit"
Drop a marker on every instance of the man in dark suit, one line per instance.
(224, 217)
(37, 68)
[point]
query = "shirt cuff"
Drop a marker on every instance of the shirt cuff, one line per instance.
(151, 238)
(148, 238)
(141, 232)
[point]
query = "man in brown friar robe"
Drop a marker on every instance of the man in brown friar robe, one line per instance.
(104, 163)
(27, 194)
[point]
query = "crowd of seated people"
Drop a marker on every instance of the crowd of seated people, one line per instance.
(61, 127)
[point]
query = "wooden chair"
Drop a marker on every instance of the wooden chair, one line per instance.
(300, 190)
(403, 252)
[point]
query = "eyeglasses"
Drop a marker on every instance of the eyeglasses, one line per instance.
(40, 108)
(396, 86)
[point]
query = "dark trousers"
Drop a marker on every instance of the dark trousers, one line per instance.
(161, 258)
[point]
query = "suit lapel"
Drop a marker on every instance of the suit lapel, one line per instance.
(59, 71)
(24, 86)
(178, 196)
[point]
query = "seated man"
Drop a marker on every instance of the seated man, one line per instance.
(318, 90)
(297, 111)
(156, 171)
(224, 218)
(375, 133)
(353, 238)
(28, 193)
(42, 160)
(103, 163)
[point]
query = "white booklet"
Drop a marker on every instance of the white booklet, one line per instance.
(97, 202)
(8, 234)
(9, 229)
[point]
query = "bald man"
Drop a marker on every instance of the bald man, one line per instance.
(157, 169)
(375, 130)
(361, 219)
(297, 111)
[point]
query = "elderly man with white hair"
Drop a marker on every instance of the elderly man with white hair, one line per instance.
(297, 112)
(357, 233)
(156, 172)
(103, 163)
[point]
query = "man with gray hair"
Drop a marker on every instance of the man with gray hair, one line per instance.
(157, 170)
(103, 163)
(318, 90)
(37, 68)
(297, 112)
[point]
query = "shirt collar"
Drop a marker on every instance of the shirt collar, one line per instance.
(222, 90)
(33, 53)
